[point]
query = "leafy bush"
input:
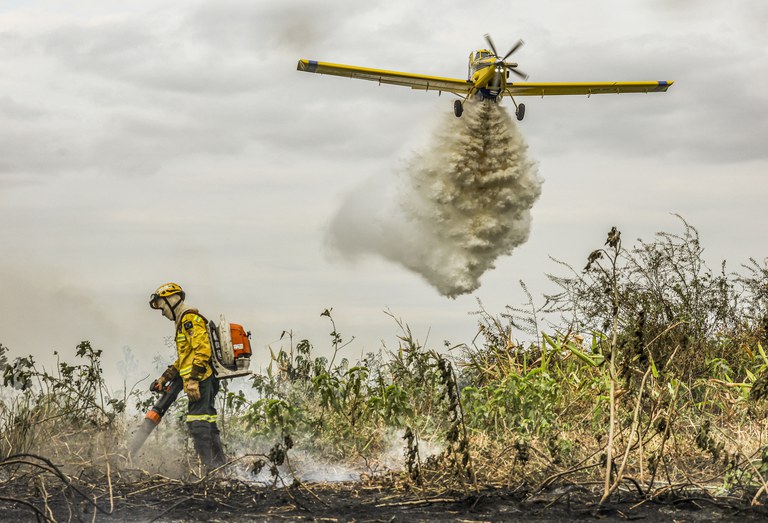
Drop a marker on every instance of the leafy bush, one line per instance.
(46, 408)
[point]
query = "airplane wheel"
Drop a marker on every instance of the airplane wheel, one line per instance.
(458, 108)
(520, 112)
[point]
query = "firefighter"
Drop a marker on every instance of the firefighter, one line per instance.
(193, 364)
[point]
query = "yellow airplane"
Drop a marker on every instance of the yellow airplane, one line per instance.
(488, 79)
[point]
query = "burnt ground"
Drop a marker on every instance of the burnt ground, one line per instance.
(163, 500)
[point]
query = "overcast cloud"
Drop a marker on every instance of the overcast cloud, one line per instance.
(144, 142)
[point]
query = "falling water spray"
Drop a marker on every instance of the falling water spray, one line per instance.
(455, 208)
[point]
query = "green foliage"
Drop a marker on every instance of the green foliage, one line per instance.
(47, 405)
(667, 297)
(346, 409)
(517, 403)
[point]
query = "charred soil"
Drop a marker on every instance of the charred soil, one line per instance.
(157, 498)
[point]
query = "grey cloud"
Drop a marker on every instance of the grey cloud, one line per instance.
(221, 77)
(137, 93)
(293, 25)
(32, 148)
(222, 49)
(13, 110)
(141, 54)
(149, 90)
(713, 111)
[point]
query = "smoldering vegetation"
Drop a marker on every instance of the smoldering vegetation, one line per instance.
(456, 206)
(638, 390)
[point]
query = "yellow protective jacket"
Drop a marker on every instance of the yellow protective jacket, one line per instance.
(193, 346)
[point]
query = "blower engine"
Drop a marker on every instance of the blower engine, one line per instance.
(231, 349)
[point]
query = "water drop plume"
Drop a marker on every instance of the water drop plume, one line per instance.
(455, 208)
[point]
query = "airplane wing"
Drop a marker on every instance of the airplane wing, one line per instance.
(585, 88)
(414, 81)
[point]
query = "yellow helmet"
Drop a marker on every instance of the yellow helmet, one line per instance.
(164, 291)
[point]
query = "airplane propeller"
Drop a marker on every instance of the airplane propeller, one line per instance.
(509, 65)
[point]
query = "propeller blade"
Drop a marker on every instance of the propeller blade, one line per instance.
(518, 73)
(490, 43)
(514, 48)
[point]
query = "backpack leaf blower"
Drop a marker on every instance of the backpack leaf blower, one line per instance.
(230, 358)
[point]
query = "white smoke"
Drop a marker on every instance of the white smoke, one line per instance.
(457, 206)
(310, 466)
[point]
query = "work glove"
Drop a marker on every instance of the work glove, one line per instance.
(159, 384)
(192, 388)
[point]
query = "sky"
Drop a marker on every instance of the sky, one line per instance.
(144, 142)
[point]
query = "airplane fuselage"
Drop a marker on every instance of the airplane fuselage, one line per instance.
(488, 75)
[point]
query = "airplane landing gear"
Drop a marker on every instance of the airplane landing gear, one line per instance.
(520, 112)
(458, 108)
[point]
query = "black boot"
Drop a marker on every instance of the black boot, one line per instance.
(218, 456)
(202, 438)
